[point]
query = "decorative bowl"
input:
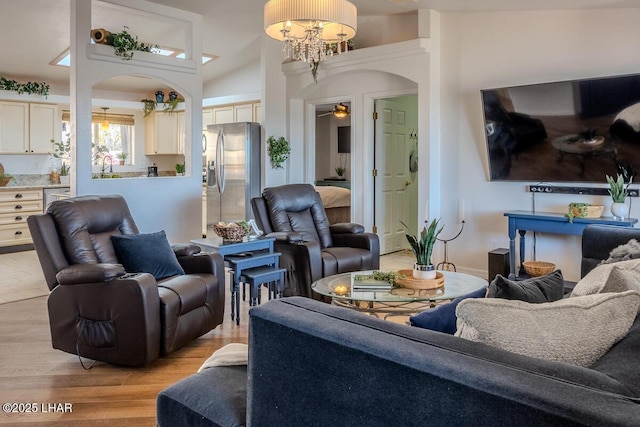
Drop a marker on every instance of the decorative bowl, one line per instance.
(595, 211)
(538, 268)
(230, 234)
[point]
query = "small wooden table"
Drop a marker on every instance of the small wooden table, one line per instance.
(548, 222)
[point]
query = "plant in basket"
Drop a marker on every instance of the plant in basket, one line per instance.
(232, 232)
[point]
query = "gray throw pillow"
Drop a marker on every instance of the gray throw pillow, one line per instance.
(576, 330)
(629, 250)
(540, 289)
(617, 277)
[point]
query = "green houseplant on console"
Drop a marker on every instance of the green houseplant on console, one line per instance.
(618, 191)
(422, 247)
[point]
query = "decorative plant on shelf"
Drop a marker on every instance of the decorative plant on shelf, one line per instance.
(278, 150)
(340, 171)
(125, 44)
(617, 188)
(148, 107)
(122, 157)
(32, 88)
(180, 169)
(171, 104)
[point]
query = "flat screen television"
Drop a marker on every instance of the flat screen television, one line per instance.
(570, 131)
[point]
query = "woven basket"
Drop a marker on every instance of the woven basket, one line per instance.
(230, 234)
(538, 268)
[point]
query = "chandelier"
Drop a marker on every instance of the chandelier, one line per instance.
(308, 27)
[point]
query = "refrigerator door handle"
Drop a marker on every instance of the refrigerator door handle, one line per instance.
(220, 161)
(204, 143)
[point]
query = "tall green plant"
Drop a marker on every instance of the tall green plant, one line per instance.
(617, 188)
(423, 247)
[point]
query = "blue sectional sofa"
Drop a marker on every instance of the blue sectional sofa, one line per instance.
(314, 364)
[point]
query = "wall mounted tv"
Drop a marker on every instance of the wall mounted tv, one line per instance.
(571, 131)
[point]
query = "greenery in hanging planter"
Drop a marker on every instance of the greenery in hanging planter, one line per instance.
(148, 107)
(278, 150)
(125, 44)
(171, 104)
(32, 88)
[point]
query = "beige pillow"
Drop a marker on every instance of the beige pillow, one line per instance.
(617, 277)
(576, 330)
(230, 355)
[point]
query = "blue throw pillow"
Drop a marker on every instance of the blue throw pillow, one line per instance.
(147, 253)
(443, 317)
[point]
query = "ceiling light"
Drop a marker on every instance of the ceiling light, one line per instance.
(104, 125)
(308, 27)
(341, 111)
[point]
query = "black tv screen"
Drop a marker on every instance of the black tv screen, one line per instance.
(571, 131)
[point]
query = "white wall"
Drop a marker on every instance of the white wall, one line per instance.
(497, 49)
(243, 80)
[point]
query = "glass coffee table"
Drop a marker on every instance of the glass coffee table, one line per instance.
(397, 301)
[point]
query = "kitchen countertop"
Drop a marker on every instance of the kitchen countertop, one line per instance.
(29, 182)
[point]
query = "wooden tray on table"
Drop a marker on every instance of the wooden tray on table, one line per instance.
(412, 283)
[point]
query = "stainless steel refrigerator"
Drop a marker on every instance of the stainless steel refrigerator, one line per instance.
(232, 163)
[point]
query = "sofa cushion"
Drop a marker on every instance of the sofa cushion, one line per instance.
(147, 253)
(578, 330)
(540, 289)
(443, 317)
(617, 277)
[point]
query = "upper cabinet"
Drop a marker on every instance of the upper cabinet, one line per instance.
(249, 112)
(28, 128)
(164, 133)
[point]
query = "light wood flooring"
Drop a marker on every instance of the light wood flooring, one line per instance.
(31, 371)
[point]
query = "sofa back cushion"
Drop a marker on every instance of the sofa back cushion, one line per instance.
(577, 330)
(85, 225)
(297, 207)
(617, 277)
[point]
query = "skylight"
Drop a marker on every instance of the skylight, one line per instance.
(64, 59)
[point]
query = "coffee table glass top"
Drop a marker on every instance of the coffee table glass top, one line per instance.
(455, 285)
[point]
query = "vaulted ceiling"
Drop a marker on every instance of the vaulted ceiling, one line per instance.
(34, 32)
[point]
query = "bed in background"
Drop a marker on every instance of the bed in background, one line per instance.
(336, 202)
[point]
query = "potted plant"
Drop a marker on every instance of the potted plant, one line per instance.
(122, 157)
(618, 191)
(340, 171)
(125, 44)
(180, 169)
(422, 248)
(278, 150)
(5, 178)
(62, 151)
(171, 104)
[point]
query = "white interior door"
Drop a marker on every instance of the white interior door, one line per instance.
(393, 183)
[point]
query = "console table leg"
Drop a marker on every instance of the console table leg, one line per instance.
(522, 240)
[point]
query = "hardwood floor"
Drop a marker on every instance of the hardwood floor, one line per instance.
(31, 371)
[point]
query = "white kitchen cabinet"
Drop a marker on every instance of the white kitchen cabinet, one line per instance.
(162, 133)
(249, 112)
(44, 125)
(15, 207)
(28, 127)
(207, 118)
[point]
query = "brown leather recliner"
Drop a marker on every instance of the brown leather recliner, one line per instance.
(99, 312)
(311, 248)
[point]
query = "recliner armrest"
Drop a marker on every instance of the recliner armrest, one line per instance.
(79, 274)
(346, 227)
(185, 249)
(286, 236)
(203, 262)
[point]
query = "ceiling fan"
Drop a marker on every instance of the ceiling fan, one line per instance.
(339, 110)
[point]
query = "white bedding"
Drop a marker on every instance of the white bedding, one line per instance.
(334, 197)
(631, 115)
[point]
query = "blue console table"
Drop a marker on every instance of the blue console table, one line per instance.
(547, 222)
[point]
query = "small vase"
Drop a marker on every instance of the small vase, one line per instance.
(424, 272)
(619, 210)
(159, 97)
(65, 179)
(173, 95)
